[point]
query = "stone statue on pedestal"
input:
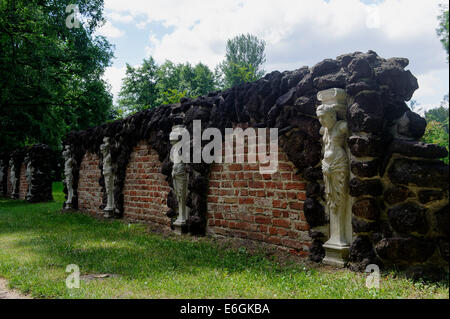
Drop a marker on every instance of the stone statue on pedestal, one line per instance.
(108, 174)
(180, 181)
(12, 178)
(29, 174)
(68, 174)
(336, 173)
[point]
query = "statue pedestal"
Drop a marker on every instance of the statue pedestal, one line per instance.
(180, 227)
(108, 213)
(336, 254)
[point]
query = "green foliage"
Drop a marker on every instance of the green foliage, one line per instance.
(245, 57)
(437, 133)
(443, 30)
(51, 75)
(151, 85)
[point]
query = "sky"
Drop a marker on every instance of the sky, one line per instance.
(297, 33)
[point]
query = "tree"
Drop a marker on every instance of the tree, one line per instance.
(245, 57)
(139, 90)
(51, 74)
(443, 30)
(151, 85)
(437, 131)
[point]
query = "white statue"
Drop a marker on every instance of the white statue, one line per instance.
(180, 180)
(108, 174)
(2, 174)
(29, 175)
(336, 173)
(68, 176)
(12, 178)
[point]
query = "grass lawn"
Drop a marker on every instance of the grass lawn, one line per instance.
(37, 242)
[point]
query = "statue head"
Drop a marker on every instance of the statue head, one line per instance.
(327, 115)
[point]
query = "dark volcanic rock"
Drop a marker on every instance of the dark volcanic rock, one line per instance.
(314, 190)
(360, 120)
(371, 187)
(366, 208)
(396, 194)
(427, 272)
(365, 169)
(427, 196)
(417, 149)
(362, 254)
(399, 81)
(412, 125)
(362, 146)
(420, 173)
(405, 250)
(363, 226)
(316, 251)
(442, 221)
(312, 174)
(314, 213)
(408, 218)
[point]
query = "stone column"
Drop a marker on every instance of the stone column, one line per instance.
(108, 174)
(180, 181)
(68, 177)
(336, 173)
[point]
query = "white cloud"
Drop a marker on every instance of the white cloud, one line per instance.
(300, 32)
(110, 31)
(114, 75)
(123, 18)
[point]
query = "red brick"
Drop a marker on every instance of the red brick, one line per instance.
(281, 222)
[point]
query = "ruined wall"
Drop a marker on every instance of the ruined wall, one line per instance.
(246, 204)
(39, 159)
(23, 184)
(146, 189)
(90, 197)
(383, 143)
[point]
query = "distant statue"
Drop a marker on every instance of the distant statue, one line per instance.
(336, 174)
(108, 174)
(29, 175)
(2, 174)
(12, 178)
(68, 174)
(180, 180)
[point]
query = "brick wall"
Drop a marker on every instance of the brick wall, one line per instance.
(89, 191)
(269, 208)
(23, 187)
(145, 189)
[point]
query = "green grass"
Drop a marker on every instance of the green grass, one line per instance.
(37, 242)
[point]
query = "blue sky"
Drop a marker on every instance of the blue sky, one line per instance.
(297, 33)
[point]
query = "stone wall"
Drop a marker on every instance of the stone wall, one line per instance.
(33, 164)
(383, 148)
(90, 197)
(146, 189)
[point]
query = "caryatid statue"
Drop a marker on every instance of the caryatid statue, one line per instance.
(180, 179)
(108, 174)
(29, 175)
(69, 163)
(336, 174)
(12, 178)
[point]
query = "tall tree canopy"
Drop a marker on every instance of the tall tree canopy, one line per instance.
(150, 85)
(244, 60)
(443, 30)
(51, 73)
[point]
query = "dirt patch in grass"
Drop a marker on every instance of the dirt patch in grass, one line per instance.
(7, 293)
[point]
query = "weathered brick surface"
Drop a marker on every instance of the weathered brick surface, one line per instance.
(145, 190)
(89, 190)
(269, 208)
(23, 187)
(8, 182)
